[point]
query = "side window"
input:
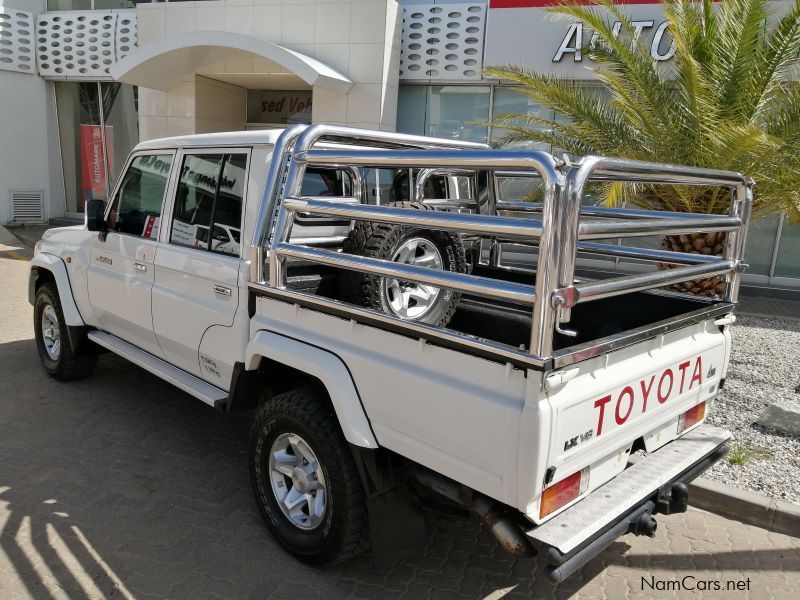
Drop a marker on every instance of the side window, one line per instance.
(208, 202)
(325, 182)
(136, 208)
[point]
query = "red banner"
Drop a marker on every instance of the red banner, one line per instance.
(546, 3)
(93, 162)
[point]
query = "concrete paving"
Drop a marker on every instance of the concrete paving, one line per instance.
(122, 486)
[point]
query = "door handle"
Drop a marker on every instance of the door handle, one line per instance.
(222, 290)
(140, 267)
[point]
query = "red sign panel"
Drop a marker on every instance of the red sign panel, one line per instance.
(546, 3)
(93, 162)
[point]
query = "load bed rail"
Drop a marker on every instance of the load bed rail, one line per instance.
(558, 227)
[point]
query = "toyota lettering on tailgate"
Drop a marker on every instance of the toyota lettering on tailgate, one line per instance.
(643, 395)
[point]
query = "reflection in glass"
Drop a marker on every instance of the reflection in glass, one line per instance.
(69, 4)
(760, 245)
(137, 205)
(227, 216)
(81, 143)
(208, 203)
(411, 104)
(508, 101)
(788, 263)
(279, 107)
(122, 125)
(453, 108)
(194, 201)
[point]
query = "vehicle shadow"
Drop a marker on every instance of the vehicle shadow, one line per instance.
(121, 485)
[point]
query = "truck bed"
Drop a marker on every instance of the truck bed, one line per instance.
(510, 324)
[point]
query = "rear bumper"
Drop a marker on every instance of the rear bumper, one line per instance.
(655, 484)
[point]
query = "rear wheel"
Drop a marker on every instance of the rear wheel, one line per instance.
(52, 338)
(305, 481)
(408, 245)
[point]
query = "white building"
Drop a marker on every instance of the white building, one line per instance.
(82, 81)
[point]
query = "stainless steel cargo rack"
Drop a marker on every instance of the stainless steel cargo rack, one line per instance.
(559, 226)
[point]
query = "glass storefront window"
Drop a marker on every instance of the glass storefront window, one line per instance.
(507, 101)
(411, 109)
(760, 245)
(91, 156)
(278, 107)
(453, 108)
(788, 263)
(122, 125)
(446, 111)
(78, 109)
(98, 4)
(69, 4)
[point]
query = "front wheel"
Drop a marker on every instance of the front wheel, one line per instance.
(305, 481)
(52, 338)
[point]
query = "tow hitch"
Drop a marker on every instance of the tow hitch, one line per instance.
(673, 499)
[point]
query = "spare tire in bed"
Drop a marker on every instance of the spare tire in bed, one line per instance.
(410, 245)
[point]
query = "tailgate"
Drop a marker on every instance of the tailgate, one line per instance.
(636, 393)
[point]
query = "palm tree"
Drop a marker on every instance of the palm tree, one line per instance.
(726, 100)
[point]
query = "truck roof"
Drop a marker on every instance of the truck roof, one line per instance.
(266, 137)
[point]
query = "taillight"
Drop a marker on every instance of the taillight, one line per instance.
(564, 492)
(691, 417)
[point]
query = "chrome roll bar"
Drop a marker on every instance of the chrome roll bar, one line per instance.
(448, 221)
(272, 190)
(470, 284)
(608, 288)
(560, 228)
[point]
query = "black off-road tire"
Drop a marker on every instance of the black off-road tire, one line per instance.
(380, 240)
(344, 531)
(68, 365)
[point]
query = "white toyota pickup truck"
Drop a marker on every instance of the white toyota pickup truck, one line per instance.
(412, 320)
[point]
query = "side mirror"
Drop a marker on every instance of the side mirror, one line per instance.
(95, 215)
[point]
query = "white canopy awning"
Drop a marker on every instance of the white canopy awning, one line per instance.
(162, 63)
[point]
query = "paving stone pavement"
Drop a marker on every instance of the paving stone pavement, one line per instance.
(120, 486)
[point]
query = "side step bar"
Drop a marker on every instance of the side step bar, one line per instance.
(202, 390)
(656, 483)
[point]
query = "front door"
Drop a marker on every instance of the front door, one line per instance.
(196, 289)
(121, 273)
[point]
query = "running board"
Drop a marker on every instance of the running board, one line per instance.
(211, 395)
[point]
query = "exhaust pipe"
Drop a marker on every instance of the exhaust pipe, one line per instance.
(502, 526)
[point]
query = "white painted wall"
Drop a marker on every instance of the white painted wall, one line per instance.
(195, 105)
(29, 156)
(358, 38)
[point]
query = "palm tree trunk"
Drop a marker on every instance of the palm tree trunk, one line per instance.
(696, 243)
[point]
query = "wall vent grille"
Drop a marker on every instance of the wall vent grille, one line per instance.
(17, 50)
(83, 44)
(442, 41)
(27, 206)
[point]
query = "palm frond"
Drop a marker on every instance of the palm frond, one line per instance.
(724, 101)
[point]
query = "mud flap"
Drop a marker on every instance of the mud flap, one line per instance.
(396, 525)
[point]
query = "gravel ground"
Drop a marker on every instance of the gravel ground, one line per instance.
(765, 366)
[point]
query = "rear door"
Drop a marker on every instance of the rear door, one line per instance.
(196, 289)
(120, 274)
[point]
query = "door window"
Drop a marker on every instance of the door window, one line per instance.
(208, 203)
(136, 209)
(325, 182)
